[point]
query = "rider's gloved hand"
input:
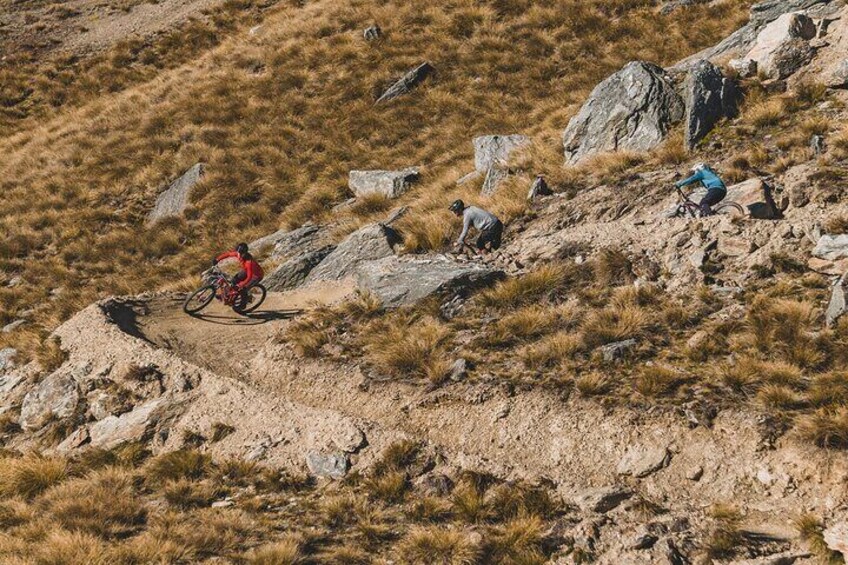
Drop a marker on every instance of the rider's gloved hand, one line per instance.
(214, 262)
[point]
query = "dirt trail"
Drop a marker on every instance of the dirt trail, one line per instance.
(222, 341)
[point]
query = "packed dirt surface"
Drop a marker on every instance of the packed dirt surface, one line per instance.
(86, 26)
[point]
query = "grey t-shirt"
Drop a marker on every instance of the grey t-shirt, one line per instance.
(477, 217)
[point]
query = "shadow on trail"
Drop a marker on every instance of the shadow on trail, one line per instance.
(252, 319)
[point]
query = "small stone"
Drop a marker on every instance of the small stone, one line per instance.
(838, 301)
(817, 144)
(435, 484)
(695, 473)
(77, 438)
(349, 438)
(832, 247)
(327, 465)
(372, 32)
(617, 351)
(406, 83)
(9, 328)
(642, 461)
(603, 499)
(458, 370)
(7, 359)
(644, 541)
(226, 503)
(258, 451)
(56, 397)
(538, 188)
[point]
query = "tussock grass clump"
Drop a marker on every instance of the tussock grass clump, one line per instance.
(811, 530)
(552, 350)
(657, 380)
(512, 500)
(521, 325)
(534, 287)
(220, 431)
(185, 493)
(725, 537)
(31, 475)
(312, 332)
(837, 225)
(825, 427)
(614, 324)
(437, 546)
(283, 552)
(593, 384)
(405, 348)
(779, 397)
(182, 464)
(517, 541)
(784, 326)
(829, 389)
(389, 487)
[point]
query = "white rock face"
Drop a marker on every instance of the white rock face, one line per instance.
(173, 201)
(832, 247)
(56, 397)
(782, 47)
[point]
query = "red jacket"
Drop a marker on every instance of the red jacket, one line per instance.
(250, 266)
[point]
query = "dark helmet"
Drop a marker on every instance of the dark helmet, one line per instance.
(457, 206)
(241, 249)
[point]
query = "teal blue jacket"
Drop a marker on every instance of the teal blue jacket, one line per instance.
(707, 177)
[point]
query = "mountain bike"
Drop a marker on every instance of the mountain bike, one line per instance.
(217, 285)
(690, 209)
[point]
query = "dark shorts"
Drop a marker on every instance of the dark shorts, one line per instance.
(491, 237)
(713, 197)
(243, 275)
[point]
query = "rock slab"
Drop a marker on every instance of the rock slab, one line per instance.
(632, 110)
(495, 150)
(642, 461)
(173, 201)
(327, 465)
(390, 184)
(407, 83)
(133, 426)
(293, 272)
(783, 46)
(401, 281)
(56, 397)
(838, 301)
(366, 244)
(836, 538)
(832, 247)
(709, 97)
(286, 243)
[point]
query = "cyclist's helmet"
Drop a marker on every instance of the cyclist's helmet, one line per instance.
(241, 249)
(699, 167)
(457, 206)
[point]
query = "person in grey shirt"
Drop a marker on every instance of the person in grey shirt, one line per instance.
(487, 224)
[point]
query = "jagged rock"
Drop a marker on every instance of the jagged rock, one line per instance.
(641, 461)
(617, 351)
(824, 266)
(9, 328)
(7, 359)
(838, 76)
(349, 438)
(709, 97)
(435, 485)
(173, 201)
(399, 281)
(836, 538)
(77, 438)
(817, 144)
(284, 243)
(755, 196)
(56, 397)
(458, 370)
(259, 451)
(294, 271)
(102, 404)
(603, 499)
(795, 182)
(632, 110)
(695, 473)
(832, 247)
(538, 188)
(783, 46)
(494, 151)
(327, 465)
(136, 425)
(409, 81)
(744, 68)
(643, 540)
(838, 301)
(372, 32)
(742, 39)
(390, 184)
(366, 244)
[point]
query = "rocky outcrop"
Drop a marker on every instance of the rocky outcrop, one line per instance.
(55, 398)
(366, 244)
(327, 465)
(838, 301)
(399, 281)
(173, 201)
(783, 46)
(832, 247)
(287, 243)
(137, 425)
(407, 83)
(293, 272)
(390, 184)
(709, 97)
(495, 150)
(372, 33)
(538, 188)
(631, 110)
(755, 196)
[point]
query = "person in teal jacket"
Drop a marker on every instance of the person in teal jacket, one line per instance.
(716, 189)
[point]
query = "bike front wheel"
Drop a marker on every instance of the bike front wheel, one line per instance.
(731, 209)
(251, 300)
(199, 299)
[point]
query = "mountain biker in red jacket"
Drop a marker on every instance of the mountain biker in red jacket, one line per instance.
(251, 272)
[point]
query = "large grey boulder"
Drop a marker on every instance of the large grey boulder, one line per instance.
(293, 272)
(390, 184)
(173, 201)
(55, 398)
(495, 150)
(286, 243)
(838, 301)
(709, 97)
(136, 425)
(783, 46)
(408, 82)
(327, 465)
(754, 195)
(399, 281)
(366, 244)
(739, 42)
(632, 110)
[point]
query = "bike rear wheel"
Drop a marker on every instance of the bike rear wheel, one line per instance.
(255, 297)
(199, 299)
(729, 209)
